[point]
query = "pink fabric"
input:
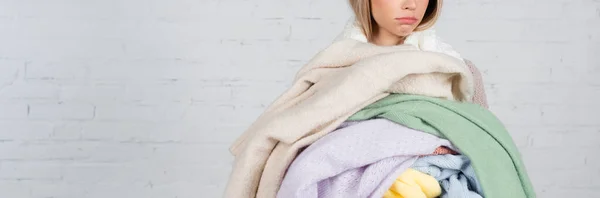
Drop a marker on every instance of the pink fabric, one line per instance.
(479, 96)
(442, 150)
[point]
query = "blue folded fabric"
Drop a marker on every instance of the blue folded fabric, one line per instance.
(455, 174)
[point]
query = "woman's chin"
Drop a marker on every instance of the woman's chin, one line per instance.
(403, 30)
(403, 33)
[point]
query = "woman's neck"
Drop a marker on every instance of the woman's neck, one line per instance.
(385, 38)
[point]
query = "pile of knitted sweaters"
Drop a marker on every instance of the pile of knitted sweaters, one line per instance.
(362, 120)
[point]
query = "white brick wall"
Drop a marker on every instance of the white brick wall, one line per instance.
(140, 99)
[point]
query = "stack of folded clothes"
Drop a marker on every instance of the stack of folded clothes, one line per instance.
(411, 146)
(362, 120)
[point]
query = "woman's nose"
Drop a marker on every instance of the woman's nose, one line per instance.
(409, 5)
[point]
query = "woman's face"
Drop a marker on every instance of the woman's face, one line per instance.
(398, 17)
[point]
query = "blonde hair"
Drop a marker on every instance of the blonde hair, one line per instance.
(362, 11)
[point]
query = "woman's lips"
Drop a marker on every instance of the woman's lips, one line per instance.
(407, 20)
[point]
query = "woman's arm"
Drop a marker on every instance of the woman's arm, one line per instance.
(479, 96)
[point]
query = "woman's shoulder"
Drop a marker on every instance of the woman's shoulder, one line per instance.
(428, 40)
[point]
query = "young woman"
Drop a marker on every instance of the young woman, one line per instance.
(374, 56)
(390, 22)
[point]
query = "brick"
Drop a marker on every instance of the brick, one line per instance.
(590, 60)
(24, 90)
(518, 115)
(48, 28)
(592, 161)
(494, 10)
(66, 131)
(591, 32)
(172, 45)
(533, 74)
(25, 130)
(533, 93)
(587, 97)
(269, 30)
(566, 192)
(42, 151)
(574, 178)
(567, 74)
(61, 111)
(301, 51)
(183, 10)
(312, 28)
(58, 189)
(322, 9)
(581, 9)
(8, 9)
(515, 62)
(572, 115)
(223, 115)
(573, 68)
(187, 190)
(211, 93)
(572, 137)
(90, 173)
(237, 9)
(521, 135)
(9, 72)
(545, 159)
(148, 189)
(138, 153)
(263, 9)
(123, 112)
(30, 171)
(208, 155)
(15, 188)
(59, 8)
(293, 52)
(122, 71)
(112, 190)
(522, 31)
(262, 94)
(55, 70)
(178, 131)
(13, 110)
(45, 49)
(129, 131)
(222, 134)
(209, 113)
(92, 94)
(159, 93)
(117, 152)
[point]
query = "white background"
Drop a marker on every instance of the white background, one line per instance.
(141, 99)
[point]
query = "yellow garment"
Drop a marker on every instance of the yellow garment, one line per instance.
(414, 184)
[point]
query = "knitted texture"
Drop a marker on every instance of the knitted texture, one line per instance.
(337, 82)
(454, 173)
(479, 96)
(475, 131)
(340, 81)
(358, 161)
